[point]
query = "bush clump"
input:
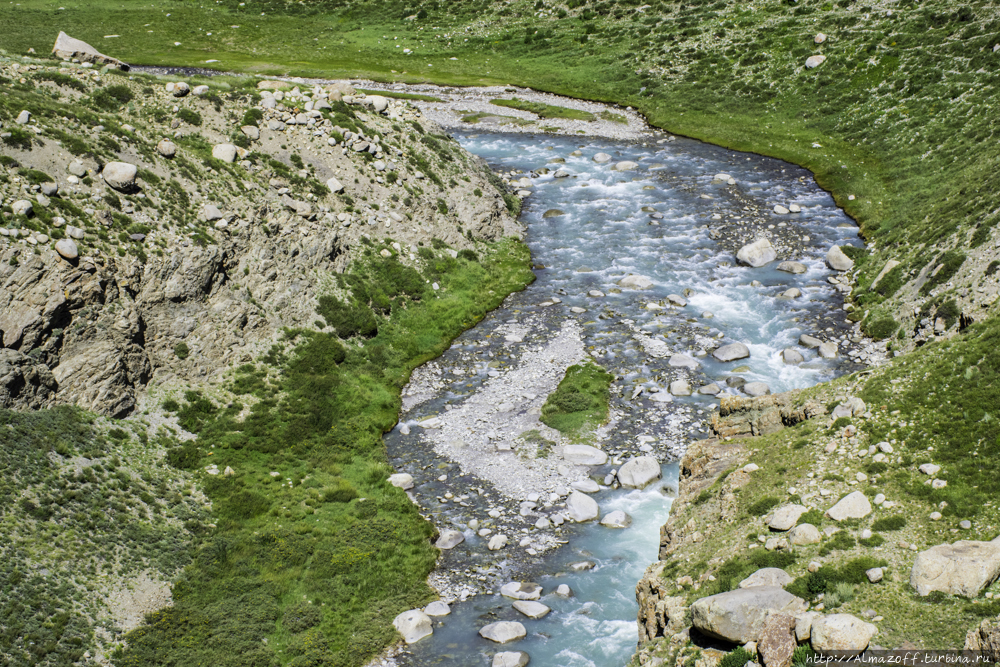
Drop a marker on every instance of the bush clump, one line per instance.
(883, 328)
(764, 505)
(887, 523)
(301, 616)
(190, 116)
(111, 98)
(581, 399)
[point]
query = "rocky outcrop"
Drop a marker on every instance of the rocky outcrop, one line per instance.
(69, 48)
(761, 415)
(963, 568)
(24, 383)
(660, 613)
(985, 640)
(738, 616)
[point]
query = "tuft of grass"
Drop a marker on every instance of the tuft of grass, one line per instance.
(400, 95)
(580, 401)
(544, 110)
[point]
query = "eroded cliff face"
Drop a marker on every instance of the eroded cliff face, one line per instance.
(200, 262)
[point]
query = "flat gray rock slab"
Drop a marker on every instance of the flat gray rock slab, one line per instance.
(738, 616)
(840, 633)
(732, 352)
(756, 254)
(767, 576)
(534, 610)
(521, 590)
(852, 506)
(584, 455)
(449, 539)
(503, 632)
(785, 517)
(963, 568)
(511, 659)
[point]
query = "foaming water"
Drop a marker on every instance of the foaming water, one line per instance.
(654, 221)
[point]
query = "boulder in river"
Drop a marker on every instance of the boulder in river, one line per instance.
(757, 254)
(503, 632)
(732, 352)
(792, 267)
(414, 625)
(521, 590)
(638, 472)
(510, 659)
(626, 165)
(401, 480)
(683, 361)
(633, 281)
(449, 539)
(533, 610)
(616, 519)
(582, 507)
(756, 389)
(601, 158)
(792, 356)
(837, 260)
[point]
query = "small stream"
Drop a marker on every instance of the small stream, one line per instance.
(673, 222)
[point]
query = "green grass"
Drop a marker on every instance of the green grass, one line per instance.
(473, 118)
(613, 117)
(580, 402)
(328, 531)
(400, 95)
(544, 110)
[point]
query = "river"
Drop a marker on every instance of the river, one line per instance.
(672, 221)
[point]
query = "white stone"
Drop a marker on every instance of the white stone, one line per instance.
(224, 152)
(449, 539)
(837, 260)
(533, 610)
(584, 455)
(503, 632)
(616, 519)
(521, 590)
(852, 506)
(582, 507)
(757, 254)
(67, 249)
(814, 61)
(632, 281)
(437, 608)
(841, 633)
(401, 480)
(510, 659)
(767, 576)
(497, 542)
(639, 472)
(785, 517)
(930, 469)
(414, 625)
(120, 175)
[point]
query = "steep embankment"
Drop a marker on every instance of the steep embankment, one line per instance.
(249, 273)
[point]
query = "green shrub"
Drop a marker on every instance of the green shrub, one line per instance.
(738, 657)
(469, 255)
(186, 457)
(840, 422)
(190, 116)
(888, 523)
(580, 400)
(19, 138)
(301, 616)
(244, 505)
(181, 350)
(840, 541)
(342, 492)
(253, 117)
(813, 516)
(112, 98)
(347, 319)
(950, 262)
(763, 505)
(882, 328)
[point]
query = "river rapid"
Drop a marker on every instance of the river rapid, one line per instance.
(469, 434)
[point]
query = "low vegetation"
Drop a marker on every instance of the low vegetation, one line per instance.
(580, 402)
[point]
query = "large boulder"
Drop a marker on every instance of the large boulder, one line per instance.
(414, 625)
(732, 352)
(378, 103)
(785, 517)
(224, 152)
(843, 633)
(852, 407)
(757, 254)
(67, 249)
(334, 185)
(804, 534)
(777, 640)
(166, 148)
(584, 455)
(582, 507)
(683, 361)
(639, 471)
(852, 506)
(510, 659)
(756, 389)
(626, 165)
(449, 539)
(767, 576)
(401, 480)
(738, 616)
(632, 281)
(120, 175)
(837, 260)
(616, 519)
(963, 568)
(67, 47)
(521, 590)
(531, 609)
(503, 632)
